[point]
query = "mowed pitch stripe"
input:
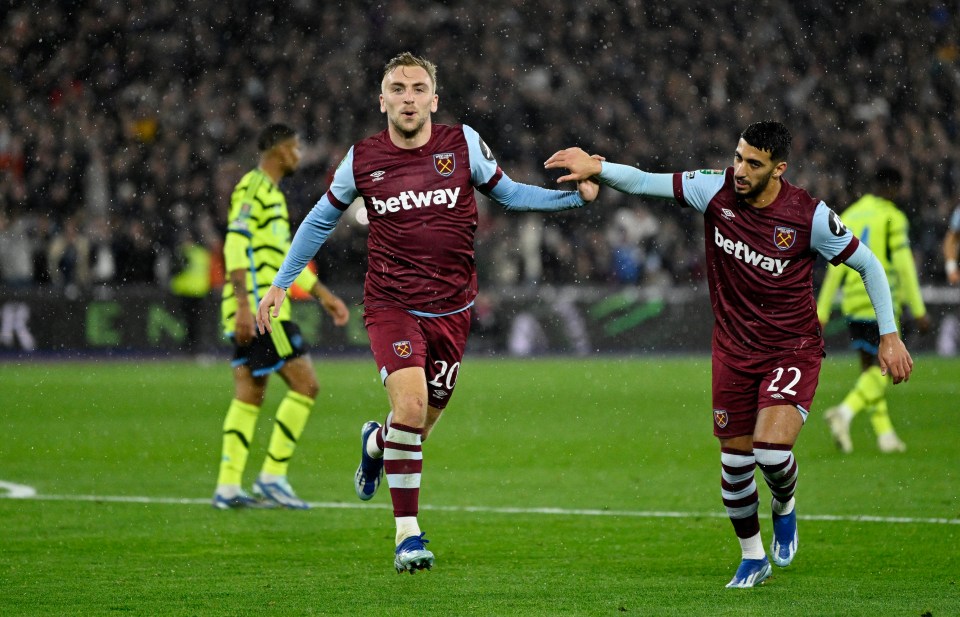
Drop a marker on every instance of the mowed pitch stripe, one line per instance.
(22, 492)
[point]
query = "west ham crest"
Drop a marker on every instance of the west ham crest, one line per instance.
(444, 163)
(784, 237)
(720, 417)
(402, 349)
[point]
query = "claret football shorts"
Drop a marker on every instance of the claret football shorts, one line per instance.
(399, 340)
(738, 395)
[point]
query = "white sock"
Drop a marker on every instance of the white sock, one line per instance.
(845, 412)
(783, 509)
(372, 448)
(406, 526)
(269, 478)
(752, 547)
(228, 491)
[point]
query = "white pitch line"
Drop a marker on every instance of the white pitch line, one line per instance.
(24, 493)
(18, 491)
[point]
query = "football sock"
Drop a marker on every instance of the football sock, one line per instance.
(783, 509)
(375, 442)
(402, 464)
(406, 526)
(228, 491)
(779, 468)
(845, 411)
(738, 489)
(238, 430)
(752, 547)
(868, 390)
(291, 418)
(880, 418)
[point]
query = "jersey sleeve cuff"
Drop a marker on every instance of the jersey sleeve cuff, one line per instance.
(845, 254)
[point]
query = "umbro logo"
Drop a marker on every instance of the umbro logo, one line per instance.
(727, 214)
(378, 175)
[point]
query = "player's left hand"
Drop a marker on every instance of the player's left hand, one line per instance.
(336, 308)
(894, 358)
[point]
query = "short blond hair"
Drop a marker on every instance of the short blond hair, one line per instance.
(408, 59)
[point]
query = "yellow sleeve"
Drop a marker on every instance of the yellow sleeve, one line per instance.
(235, 251)
(906, 268)
(828, 292)
(244, 210)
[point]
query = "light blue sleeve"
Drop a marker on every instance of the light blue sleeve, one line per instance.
(700, 187)
(633, 181)
(878, 287)
(697, 187)
(828, 235)
(519, 197)
(513, 196)
(482, 162)
(318, 224)
(344, 187)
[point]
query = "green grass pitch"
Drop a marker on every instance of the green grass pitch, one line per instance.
(551, 487)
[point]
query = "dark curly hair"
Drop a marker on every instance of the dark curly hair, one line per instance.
(770, 136)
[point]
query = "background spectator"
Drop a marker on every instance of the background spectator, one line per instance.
(117, 112)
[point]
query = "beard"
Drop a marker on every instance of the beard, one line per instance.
(756, 189)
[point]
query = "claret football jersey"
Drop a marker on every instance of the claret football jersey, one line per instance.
(760, 263)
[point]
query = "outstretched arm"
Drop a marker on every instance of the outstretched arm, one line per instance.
(623, 178)
(519, 197)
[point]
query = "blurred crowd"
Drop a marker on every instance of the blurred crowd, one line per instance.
(125, 126)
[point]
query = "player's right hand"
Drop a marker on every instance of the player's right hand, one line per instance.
(243, 330)
(580, 164)
(269, 307)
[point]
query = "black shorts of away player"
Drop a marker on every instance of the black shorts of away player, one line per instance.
(268, 352)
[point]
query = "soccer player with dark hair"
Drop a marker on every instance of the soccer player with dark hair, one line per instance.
(878, 223)
(762, 238)
(417, 182)
(258, 236)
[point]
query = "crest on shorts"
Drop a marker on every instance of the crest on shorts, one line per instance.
(402, 349)
(720, 417)
(784, 237)
(444, 163)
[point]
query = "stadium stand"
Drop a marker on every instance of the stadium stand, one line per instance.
(124, 122)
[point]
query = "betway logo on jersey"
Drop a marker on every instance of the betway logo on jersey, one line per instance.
(408, 200)
(747, 255)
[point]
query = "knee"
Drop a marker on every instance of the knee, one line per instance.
(310, 390)
(306, 386)
(250, 394)
(411, 410)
